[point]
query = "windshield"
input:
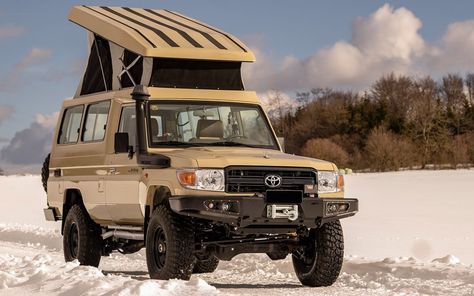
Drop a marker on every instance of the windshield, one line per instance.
(209, 124)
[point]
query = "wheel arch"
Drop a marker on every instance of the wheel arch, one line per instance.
(156, 195)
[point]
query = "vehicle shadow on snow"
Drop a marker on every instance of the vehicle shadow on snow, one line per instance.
(143, 275)
(254, 286)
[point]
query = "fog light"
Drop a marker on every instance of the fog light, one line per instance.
(332, 208)
(225, 206)
(343, 207)
(229, 207)
(336, 208)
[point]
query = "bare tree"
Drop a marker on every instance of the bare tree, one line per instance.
(279, 111)
(470, 87)
(426, 120)
(393, 93)
(452, 90)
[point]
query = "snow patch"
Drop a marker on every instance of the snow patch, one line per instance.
(30, 234)
(46, 275)
(448, 259)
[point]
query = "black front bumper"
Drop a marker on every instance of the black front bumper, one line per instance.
(251, 212)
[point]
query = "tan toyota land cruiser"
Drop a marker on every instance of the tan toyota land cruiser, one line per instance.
(162, 148)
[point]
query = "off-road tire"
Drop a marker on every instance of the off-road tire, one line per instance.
(328, 255)
(175, 258)
(207, 265)
(45, 173)
(88, 240)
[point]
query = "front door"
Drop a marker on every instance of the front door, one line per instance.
(123, 176)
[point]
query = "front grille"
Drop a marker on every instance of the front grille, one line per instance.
(252, 179)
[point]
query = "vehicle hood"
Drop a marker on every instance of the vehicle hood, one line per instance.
(221, 157)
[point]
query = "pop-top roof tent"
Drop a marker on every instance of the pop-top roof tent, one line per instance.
(157, 48)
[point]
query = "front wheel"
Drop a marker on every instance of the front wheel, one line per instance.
(169, 245)
(320, 261)
(81, 238)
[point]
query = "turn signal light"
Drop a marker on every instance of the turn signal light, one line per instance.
(187, 178)
(340, 183)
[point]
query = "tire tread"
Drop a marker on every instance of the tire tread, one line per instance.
(90, 241)
(330, 256)
(179, 245)
(45, 172)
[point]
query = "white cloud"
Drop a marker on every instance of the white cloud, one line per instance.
(31, 145)
(47, 120)
(36, 56)
(455, 51)
(386, 41)
(8, 31)
(389, 34)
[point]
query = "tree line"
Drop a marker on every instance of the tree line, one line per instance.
(399, 122)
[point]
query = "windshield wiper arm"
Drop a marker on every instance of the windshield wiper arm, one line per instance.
(230, 143)
(176, 143)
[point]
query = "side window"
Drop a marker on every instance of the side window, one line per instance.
(128, 124)
(96, 121)
(71, 125)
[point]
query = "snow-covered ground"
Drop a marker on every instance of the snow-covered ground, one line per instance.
(414, 235)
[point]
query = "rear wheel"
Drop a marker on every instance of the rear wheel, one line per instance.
(81, 238)
(169, 245)
(206, 265)
(320, 260)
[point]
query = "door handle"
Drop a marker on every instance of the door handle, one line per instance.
(113, 171)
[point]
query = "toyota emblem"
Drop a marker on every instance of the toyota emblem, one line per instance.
(273, 181)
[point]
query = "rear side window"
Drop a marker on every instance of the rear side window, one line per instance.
(71, 125)
(96, 121)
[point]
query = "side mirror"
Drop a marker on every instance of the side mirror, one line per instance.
(121, 144)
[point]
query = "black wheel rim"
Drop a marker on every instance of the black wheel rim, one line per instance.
(160, 248)
(73, 240)
(307, 257)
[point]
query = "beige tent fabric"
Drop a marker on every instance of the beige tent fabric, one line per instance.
(116, 52)
(147, 68)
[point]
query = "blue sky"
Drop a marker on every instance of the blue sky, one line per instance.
(41, 51)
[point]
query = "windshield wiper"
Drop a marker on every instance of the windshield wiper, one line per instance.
(230, 143)
(176, 143)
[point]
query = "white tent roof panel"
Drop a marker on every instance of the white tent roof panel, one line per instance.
(160, 33)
